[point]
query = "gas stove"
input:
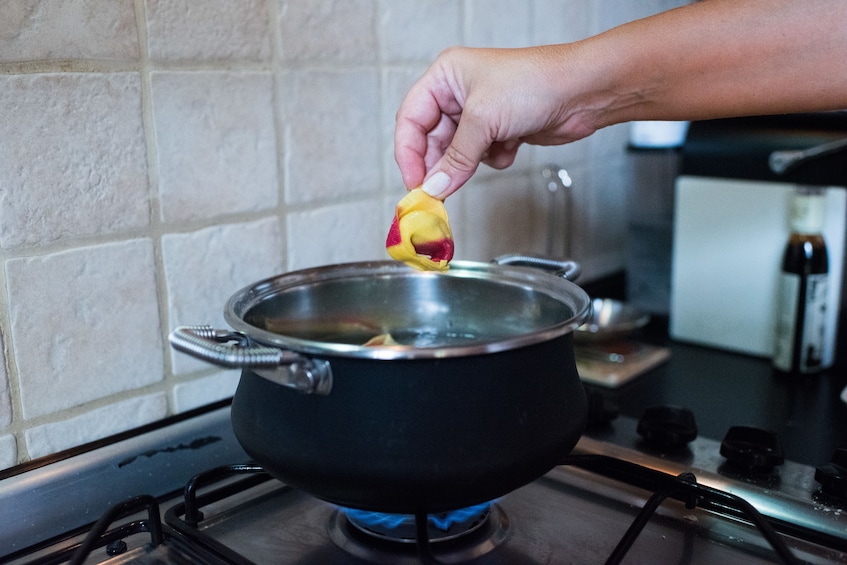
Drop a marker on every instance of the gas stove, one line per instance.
(633, 490)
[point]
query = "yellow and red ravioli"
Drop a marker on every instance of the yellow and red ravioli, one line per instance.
(420, 234)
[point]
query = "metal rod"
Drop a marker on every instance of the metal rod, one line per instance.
(685, 489)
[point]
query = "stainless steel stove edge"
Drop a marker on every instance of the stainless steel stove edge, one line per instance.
(48, 501)
(792, 497)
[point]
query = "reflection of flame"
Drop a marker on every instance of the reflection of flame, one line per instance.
(442, 520)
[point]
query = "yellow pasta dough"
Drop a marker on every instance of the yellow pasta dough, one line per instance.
(420, 234)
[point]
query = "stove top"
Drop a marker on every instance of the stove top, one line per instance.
(555, 519)
(617, 498)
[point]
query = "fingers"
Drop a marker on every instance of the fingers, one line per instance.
(438, 140)
(411, 148)
(470, 144)
(444, 131)
(426, 122)
(502, 155)
(441, 184)
(456, 168)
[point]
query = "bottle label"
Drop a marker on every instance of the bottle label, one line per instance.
(800, 323)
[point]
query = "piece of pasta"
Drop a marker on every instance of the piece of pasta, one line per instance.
(420, 234)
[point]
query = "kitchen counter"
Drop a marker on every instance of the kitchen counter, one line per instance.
(725, 389)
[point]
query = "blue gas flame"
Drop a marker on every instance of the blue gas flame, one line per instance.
(442, 521)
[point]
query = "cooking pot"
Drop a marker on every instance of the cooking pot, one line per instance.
(479, 397)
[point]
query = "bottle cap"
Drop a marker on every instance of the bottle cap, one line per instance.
(808, 210)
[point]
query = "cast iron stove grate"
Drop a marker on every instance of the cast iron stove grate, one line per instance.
(185, 518)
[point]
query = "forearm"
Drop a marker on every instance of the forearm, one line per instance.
(715, 58)
(720, 58)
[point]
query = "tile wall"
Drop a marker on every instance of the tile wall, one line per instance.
(157, 155)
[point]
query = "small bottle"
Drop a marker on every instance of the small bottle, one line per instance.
(802, 289)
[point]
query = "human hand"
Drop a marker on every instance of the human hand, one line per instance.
(477, 106)
(728, 58)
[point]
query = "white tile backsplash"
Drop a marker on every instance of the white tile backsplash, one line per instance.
(413, 31)
(95, 424)
(211, 30)
(158, 155)
(338, 234)
(73, 157)
(32, 30)
(560, 21)
(5, 393)
(204, 268)
(215, 143)
(332, 133)
(328, 30)
(497, 23)
(84, 324)
(205, 390)
(500, 214)
(8, 451)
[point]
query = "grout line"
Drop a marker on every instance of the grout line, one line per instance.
(280, 130)
(155, 222)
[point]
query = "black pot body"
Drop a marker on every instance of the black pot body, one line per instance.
(415, 435)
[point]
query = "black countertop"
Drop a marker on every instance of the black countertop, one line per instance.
(724, 389)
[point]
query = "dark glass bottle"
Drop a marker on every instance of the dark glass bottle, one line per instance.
(802, 289)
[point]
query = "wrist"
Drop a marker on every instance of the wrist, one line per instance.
(592, 86)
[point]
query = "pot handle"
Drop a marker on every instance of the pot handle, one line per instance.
(568, 270)
(234, 350)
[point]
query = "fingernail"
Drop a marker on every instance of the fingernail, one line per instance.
(436, 184)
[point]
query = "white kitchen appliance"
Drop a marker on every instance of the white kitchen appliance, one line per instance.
(728, 241)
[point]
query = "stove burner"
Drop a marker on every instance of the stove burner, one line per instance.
(401, 527)
(455, 537)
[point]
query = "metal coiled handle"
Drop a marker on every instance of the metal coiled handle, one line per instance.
(234, 350)
(568, 270)
(224, 348)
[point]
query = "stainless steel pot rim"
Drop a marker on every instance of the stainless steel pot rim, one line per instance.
(613, 316)
(533, 279)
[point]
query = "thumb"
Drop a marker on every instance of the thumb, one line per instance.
(460, 160)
